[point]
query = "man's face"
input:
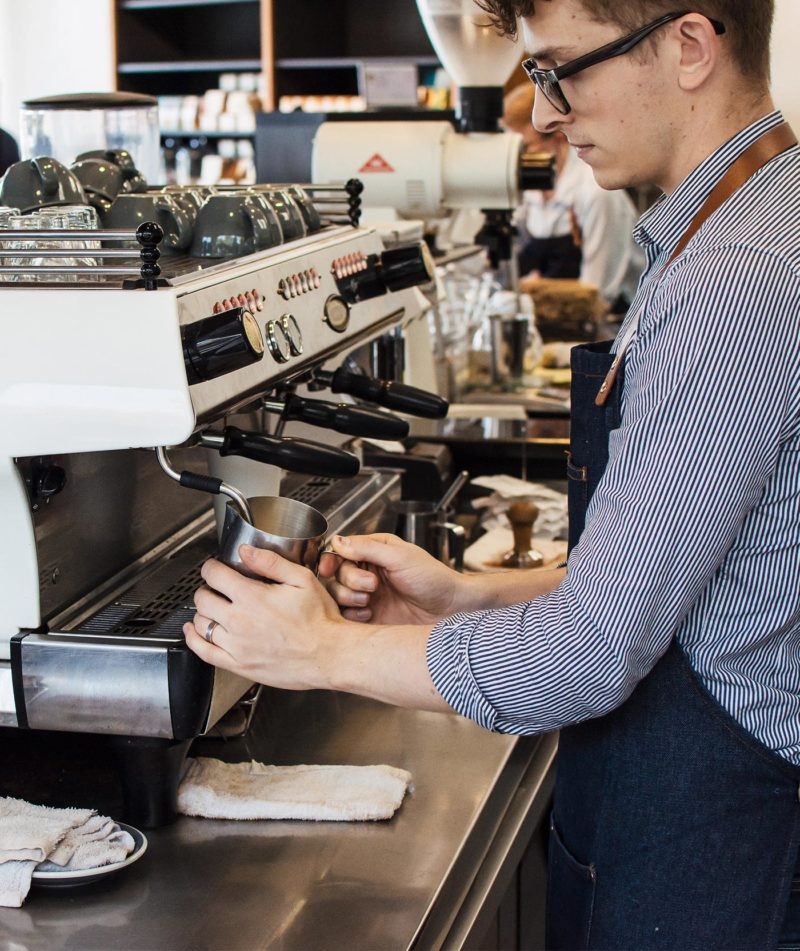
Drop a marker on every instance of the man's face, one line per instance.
(621, 119)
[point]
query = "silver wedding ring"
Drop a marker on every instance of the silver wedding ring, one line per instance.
(209, 634)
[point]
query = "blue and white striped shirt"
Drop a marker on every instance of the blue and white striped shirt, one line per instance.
(694, 530)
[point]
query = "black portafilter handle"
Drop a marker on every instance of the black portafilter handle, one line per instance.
(344, 418)
(388, 393)
(295, 455)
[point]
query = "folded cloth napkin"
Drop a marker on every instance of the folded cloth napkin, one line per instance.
(218, 790)
(99, 841)
(60, 838)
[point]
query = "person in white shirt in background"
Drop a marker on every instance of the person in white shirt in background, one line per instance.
(578, 230)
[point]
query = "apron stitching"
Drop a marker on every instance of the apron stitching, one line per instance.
(789, 863)
(747, 741)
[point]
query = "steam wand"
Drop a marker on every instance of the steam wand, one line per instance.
(193, 480)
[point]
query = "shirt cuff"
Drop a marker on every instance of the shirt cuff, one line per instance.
(449, 666)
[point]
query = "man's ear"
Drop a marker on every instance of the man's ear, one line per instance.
(698, 51)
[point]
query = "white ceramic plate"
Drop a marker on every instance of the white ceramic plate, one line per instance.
(71, 877)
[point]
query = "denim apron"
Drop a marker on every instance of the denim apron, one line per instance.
(672, 827)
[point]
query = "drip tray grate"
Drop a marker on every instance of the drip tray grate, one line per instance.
(158, 605)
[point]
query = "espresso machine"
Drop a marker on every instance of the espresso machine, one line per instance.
(134, 389)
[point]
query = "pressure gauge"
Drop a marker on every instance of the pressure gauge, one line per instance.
(337, 313)
(278, 341)
(293, 334)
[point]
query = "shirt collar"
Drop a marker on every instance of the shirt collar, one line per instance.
(669, 218)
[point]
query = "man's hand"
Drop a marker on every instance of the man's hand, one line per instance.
(278, 634)
(291, 635)
(386, 580)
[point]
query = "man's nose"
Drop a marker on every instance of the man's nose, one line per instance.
(545, 117)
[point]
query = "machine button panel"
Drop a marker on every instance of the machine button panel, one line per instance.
(252, 299)
(301, 282)
(349, 264)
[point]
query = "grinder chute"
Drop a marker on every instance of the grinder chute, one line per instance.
(474, 55)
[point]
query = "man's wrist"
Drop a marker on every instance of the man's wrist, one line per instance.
(470, 592)
(337, 655)
(385, 662)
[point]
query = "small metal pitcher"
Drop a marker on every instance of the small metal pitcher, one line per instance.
(291, 528)
(426, 525)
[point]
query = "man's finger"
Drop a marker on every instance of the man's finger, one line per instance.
(211, 605)
(357, 614)
(206, 650)
(359, 579)
(329, 564)
(270, 565)
(345, 596)
(383, 550)
(223, 579)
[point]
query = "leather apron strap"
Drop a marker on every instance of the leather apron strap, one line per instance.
(762, 151)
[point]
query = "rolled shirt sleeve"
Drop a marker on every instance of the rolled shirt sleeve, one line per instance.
(711, 394)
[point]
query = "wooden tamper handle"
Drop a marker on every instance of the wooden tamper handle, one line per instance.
(522, 516)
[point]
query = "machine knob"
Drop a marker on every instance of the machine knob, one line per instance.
(337, 313)
(221, 344)
(278, 341)
(393, 270)
(407, 267)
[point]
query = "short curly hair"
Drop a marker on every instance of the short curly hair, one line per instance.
(748, 23)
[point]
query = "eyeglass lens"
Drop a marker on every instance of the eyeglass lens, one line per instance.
(552, 92)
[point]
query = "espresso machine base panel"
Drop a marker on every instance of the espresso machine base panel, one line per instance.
(120, 660)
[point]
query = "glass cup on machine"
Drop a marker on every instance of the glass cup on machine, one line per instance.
(59, 218)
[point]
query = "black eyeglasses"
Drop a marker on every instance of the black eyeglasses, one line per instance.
(549, 80)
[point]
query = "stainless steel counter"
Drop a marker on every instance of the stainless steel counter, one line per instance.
(433, 876)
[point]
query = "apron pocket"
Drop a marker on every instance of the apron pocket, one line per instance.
(790, 934)
(570, 897)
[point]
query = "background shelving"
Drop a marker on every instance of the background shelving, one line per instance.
(180, 47)
(176, 47)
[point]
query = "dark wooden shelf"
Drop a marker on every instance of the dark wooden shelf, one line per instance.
(315, 47)
(192, 66)
(171, 4)
(197, 134)
(339, 62)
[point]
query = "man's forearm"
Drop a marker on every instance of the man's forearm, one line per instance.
(385, 662)
(483, 592)
(388, 662)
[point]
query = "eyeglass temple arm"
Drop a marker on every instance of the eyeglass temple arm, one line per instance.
(617, 48)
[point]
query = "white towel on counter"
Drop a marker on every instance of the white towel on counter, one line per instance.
(217, 790)
(55, 839)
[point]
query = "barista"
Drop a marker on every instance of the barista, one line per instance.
(577, 230)
(668, 652)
